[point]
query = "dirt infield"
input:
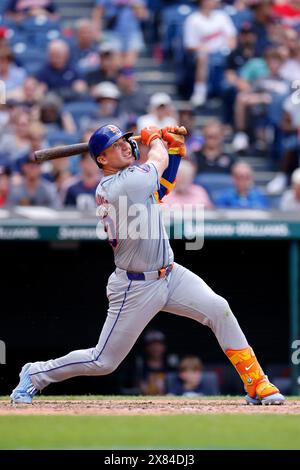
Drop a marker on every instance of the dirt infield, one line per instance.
(144, 407)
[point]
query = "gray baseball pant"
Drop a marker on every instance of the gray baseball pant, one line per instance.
(132, 305)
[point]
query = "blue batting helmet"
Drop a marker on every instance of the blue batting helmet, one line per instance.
(105, 136)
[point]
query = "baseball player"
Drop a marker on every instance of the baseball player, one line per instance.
(146, 279)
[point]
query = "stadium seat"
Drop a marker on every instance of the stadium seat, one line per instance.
(274, 201)
(239, 17)
(31, 58)
(3, 5)
(214, 183)
(39, 24)
(80, 109)
(15, 36)
(173, 18)
(59, 137)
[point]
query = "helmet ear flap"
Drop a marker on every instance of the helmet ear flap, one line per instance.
(135, 149)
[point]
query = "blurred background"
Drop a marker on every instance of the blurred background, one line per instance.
(230, 72)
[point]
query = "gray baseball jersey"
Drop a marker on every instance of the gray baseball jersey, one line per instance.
(136, 230)
(133, 303)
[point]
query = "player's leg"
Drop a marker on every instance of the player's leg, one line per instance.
(132, 304)
(191, 297)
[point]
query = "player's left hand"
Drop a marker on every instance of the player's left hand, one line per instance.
(148, 134)
(174, 141)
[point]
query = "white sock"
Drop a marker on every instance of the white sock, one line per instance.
(200, 88)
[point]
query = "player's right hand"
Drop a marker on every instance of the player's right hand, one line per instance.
(174, 141)
(148, 134)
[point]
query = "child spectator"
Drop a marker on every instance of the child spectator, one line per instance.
(192, 381)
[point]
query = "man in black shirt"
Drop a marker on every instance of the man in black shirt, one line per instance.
(212, 158)
(108, 69)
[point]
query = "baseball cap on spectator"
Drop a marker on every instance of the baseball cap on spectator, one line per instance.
(107, 47)
(52, 99)
(154, 336)
(106, 90)
(160, 99)
(185, 107)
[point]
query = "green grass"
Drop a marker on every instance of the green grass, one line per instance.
(226, 431)
(150, 432)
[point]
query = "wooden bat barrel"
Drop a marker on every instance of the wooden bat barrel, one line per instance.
(60, 152)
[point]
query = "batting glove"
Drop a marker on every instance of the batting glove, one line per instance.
(175, 142)
(148, 134)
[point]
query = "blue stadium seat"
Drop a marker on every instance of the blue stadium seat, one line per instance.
(31, 58)
(274, 201)
(214, 182)
(239, 17)
(80, 109)
(39, 23)
(59, 137)
(3, 5)
(173, 18)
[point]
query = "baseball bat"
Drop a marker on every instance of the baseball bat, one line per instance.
(62, 151)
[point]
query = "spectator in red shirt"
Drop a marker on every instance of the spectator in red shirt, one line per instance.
(288, 13)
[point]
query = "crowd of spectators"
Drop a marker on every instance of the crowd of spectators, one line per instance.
(59, 83)
(155, 369)
(157, 372)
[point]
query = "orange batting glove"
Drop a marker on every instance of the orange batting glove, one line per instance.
(148, 134)
(175, 142)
